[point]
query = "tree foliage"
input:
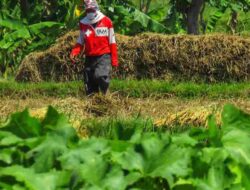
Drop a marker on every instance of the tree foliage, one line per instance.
(26, 26)
(189, 13)
(30, 25)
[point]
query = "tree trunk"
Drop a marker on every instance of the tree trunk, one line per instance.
(24, 8)
(49, 12)
(148, 6)
(141, 4)
(234, 21)
(193, 13)
(202, 22)
(144, 5)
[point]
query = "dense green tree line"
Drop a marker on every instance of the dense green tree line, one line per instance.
(29, 25)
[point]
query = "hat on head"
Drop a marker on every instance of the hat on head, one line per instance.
(91, 4)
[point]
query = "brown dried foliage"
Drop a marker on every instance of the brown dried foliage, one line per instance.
(209, 58)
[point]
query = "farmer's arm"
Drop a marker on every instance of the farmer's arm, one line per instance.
(77, 49)
(113, 46)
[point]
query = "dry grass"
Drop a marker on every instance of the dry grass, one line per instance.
(169, 112)
(52, 64)
(192, 117)
(209, 58)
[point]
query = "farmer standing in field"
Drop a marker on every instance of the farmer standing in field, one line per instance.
(97, 40)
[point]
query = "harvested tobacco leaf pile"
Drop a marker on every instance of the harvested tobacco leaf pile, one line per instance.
(210, 58)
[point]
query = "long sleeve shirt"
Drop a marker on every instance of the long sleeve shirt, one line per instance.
(97, 40)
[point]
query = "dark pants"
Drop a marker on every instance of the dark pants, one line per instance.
(97, 74)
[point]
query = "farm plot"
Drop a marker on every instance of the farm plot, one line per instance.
(161, 132)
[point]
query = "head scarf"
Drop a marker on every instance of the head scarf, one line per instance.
(91, 4)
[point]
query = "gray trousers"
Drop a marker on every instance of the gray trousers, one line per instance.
(97, 74)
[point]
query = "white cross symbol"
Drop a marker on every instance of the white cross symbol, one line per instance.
(88, 32)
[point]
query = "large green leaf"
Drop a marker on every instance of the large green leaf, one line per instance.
(31, 180)
(130, 20)
(5, 186)
(148, 22)
(213, 19)
(88, 163)
(40, 27)
(59, 136)
(112, 176)
(245, 176)
(92, 165)
(6, 155)
(5, 44)
(214, 156)
(213, 131)
(21, 33)
(10, 39)
(236, 134)
(54, 121)
(216, 179)
(23, 125)
(158, 14)
(8, 138)
(184, 140)
(155, 157)
(184, 184)
(12, 24)
(87, 151)
(233, 118)
(237, 144)
(45, 154)
(58, 124)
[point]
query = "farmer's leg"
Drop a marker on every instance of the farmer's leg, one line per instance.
(104, 84)
(91, 85)
(102, 72)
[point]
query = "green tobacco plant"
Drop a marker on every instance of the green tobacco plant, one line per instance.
(34, 151)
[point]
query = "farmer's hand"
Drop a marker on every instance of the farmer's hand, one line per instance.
(115, 70)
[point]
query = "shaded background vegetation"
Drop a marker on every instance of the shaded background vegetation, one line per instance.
(27, 26)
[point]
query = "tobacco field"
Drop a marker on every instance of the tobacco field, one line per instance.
(48, 154)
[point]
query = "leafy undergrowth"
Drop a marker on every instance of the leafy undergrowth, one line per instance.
(49, 155)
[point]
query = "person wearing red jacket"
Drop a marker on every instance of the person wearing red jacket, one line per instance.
(97, 40)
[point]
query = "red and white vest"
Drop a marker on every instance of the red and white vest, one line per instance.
(97, 41)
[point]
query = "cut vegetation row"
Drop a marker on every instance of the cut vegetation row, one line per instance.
(171, 113)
